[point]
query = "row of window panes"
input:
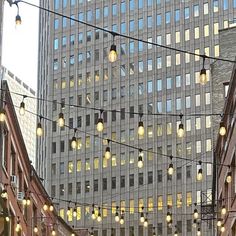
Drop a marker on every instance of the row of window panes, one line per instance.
(177, 14)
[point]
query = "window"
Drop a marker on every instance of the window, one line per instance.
(159, 176)
(113, 183)
(179, 200)
(140, 178)
(205, 8)
(149, 21)
(131, 180)
(158, 19)
(167, 17)
(186, 13)
(196, 10)
(159, 203)
(149, 85)
(159, 85)
(177, 15)
(122, 181)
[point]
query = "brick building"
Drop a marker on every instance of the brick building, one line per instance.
(226, 171)
(22, 195)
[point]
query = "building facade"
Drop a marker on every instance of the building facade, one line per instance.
(28, 120)
(1, 28)
(19, 182)
(224, 90)
(74, 70)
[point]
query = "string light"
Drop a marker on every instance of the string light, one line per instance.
(223, 210)
(108, 151)
(45, 207)
(194, 223)
(75, 212)
(199, 174)
(195, 213)
(170, 169)
(117, 218)
(61, 120)
(203, 77)
(140, 126)
(99, 218)
(4, 194)
(229, 177)
(142, 219)
(140, 159)
(122, 220)
(53, 232)
(113, 53)
(22, 108)
(39, 129)
(100, 124)
(2, 115)
(168, 217)
(198, 232)
(24, 201)
(74, 140)
(68, 211)
(222, 228)
(36, 229)
(219, 222)
(145, 223)
(180, 131)
(176, 233)
(222, 130)
(93, 213)
(51, 207)
(18, 227)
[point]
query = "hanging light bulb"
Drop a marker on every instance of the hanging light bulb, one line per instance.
(195, 223)
(68, 211)
(142, 219)
(170, 169)
(222, 130)
(4, 194)
(2, 115)
(28, 201)
(140, 128)
(222, 228)
(203, 76)
(229, 177)
(53, 232)
(61, 120)
(176, 233)
(117, 218)
(45, 207)
(91, 233)
(223, 210)
(72, 234)
(24, 201)
(75, 212)
(18, 18)
(153, 232)
(93, 215)
(22, 108)
(198, 232)
(74, 140)
(199, 173)
(51, 208)
(7, 218)
(36, 229)
(140, 159)
(108, 153)
(99, 218)
(113, 53)
(39, 130)
(100, 124)
(145, 223)
(168, 217)
(219, 222)
(122, 220)
(180, 131)
(195, 214)
(18, 227)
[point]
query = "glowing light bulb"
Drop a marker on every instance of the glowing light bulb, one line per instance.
(203, 77)
(45, 207)
(61, 120)
(176, 233)
(198, 232)
(39, 130)
(100, 125)
(2, 115)
(222, 228)
(18, 227)
(222, 130)
(140, 162)
(28, 202)
(142, 219)
(181, 130)
(108, 153)
(72, 234)
(229, 178)
(93, 215)
(168, 217)
(4, 194)
(22, 108)
(140, 128)
(112, 54)
(170, 169)
(145, 223)
(122, 221)
(117, 218)
(18, 20)
(219, 223)
(36, 229)
(74, 212)
(99, 218)
(53, 232)
(68, 211)
(73, 142)
(223, 210)
(51, 208)
(199, 174)
(194, 223)
(195, 214)
(24, 201)
(7, 218)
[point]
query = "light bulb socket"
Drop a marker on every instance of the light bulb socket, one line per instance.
(22, 105)
(203, 71)
(108, 149)
(140, 124)
(18, 19)
(113, 48)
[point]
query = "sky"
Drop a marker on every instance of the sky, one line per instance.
(20, 44)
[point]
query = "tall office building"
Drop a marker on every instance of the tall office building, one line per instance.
(74, 69)
(27, 121)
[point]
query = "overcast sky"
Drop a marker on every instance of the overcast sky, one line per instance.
(20, 45)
